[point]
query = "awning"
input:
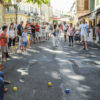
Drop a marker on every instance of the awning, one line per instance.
(86, 15)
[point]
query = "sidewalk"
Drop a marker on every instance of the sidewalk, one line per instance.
(94, 44)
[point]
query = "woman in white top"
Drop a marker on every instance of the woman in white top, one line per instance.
(47, 30)
(12, 35)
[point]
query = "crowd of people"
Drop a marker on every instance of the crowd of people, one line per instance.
(16, 36)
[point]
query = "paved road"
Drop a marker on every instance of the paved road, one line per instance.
(69, 67)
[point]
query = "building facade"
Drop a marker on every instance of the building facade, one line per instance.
(46, 13)
(21, 12)
(1, 14)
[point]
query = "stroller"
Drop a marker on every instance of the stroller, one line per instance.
(77, 37)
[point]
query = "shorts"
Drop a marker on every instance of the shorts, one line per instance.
(4, 49)
(37, 34)
(20, 41)
(25, 44)
(84, 38)
(43, 33)
(65, 32)
(33, 34)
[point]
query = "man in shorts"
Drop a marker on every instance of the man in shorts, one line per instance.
(84, 28)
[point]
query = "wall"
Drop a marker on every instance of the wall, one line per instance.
(1, 14)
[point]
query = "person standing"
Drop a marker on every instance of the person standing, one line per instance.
(12, 36)
(98, 32)
(47, 30)
(43, 30)
(77, 33)
(71, 31)
(90, 37)
(24, 38)
(33, 32)
(4, 43)
(84, 28)
(65, 28)
(19, 32)
(37, 30)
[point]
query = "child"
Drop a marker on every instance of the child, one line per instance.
(4, 43)
(24, 39)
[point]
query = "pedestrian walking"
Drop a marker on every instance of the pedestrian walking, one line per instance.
(71, 31)
(84, 29)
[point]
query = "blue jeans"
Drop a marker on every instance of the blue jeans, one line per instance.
(1, 88)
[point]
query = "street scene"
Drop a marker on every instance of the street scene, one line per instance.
(49, 49)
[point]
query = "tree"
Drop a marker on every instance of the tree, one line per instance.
(7, 1)
(39, 2)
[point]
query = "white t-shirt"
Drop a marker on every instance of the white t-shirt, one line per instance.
(24, 37)
(12, 33)
(84, 28)
(77, 29)
(65, 27)
(47, 28)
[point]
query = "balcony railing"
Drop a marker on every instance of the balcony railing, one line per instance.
(21, 12)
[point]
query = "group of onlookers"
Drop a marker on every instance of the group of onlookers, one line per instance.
(14, 36)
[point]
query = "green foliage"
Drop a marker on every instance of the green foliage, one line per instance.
(39, 2)
(3, 1)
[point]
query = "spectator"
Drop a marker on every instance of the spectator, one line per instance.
(4, 43)
(20, 31)
(47, 30)
(24, 38)
(90, 38)
(98, 32)
(33, 32)
(37, 29)
(77, 33)
(65, 28)
(71, 34)
(12, 36)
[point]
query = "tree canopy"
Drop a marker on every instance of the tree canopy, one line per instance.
(7, 1)
(39, 2)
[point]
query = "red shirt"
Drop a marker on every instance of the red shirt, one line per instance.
(3, 39)
(27, 25)
(37, 28)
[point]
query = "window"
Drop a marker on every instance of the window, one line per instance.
(97, 2)
(86, 4)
